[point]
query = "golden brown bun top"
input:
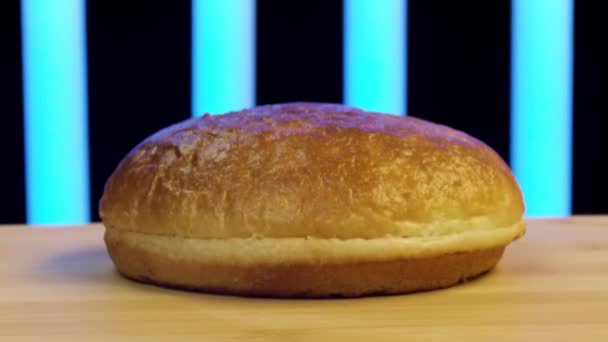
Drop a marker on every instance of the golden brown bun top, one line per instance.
(310, 170)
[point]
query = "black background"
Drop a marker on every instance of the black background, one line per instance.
(458, 74)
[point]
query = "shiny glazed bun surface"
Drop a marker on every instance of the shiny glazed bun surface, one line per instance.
(304, 190)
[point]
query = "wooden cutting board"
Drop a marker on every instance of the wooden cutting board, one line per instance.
(59, 284)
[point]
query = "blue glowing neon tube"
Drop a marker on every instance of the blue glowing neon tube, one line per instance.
(541, 104)
(55, 102)
(223, 55)
(375, 55)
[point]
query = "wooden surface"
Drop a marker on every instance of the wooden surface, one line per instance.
(59, 284)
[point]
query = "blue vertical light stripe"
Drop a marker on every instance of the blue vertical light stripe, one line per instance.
(375, 55)
(223, 55)
(541, 118)
(55, 102)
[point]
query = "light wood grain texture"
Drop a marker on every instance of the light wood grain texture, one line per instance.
(59, 284)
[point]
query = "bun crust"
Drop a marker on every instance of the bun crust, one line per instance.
(305, 280)
(307, 171)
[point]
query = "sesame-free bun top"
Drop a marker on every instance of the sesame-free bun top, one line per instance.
(310, 170)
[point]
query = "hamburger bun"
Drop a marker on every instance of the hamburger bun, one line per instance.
(309, 200)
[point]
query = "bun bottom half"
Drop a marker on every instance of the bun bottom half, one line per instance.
(146, 260)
